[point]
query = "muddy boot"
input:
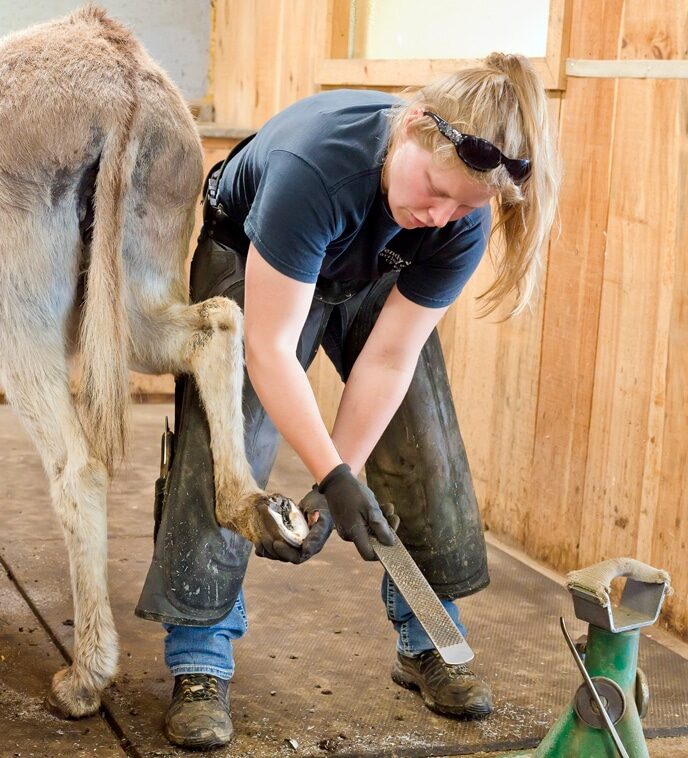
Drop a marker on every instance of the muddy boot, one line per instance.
(452, 690)
(198, 716)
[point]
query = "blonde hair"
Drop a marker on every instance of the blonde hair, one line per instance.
(503, 101)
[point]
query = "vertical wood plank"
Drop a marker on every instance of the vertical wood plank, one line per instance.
(626, 433)
(558, 39)
(470, 351)
(327, 387)
(670, 533)
(670, 543)
(234, 71)
(337, 29)
(573, 292)
(268, 30)
(304, 32)
(494, 369)
(265, 56)
(628, 404)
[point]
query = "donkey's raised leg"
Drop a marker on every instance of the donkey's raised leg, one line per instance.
(205, 340)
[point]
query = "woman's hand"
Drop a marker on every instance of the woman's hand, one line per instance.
(355, 511)
(314, 507)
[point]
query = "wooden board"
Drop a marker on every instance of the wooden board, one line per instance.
(494, 374)
(670, 533)
(628, 409)
(642, 317)
(573, 290)
(265, 56)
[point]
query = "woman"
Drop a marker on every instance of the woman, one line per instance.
(352, 220)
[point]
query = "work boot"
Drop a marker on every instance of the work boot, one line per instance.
(198, 716)
(449, 689)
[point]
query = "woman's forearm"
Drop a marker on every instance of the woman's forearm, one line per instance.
(283, 388)
(373, 393)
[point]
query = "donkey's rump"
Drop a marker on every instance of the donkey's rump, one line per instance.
(64, 87)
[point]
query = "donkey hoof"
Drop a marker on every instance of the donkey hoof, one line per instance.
(281, 513)
(69, 700)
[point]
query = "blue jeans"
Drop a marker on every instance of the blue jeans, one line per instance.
(208, 649)
(412, 637)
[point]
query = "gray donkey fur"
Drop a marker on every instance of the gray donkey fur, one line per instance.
(83, 105)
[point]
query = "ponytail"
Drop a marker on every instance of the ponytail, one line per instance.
(503, 101)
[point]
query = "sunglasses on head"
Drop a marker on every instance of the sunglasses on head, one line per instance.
(478, 153)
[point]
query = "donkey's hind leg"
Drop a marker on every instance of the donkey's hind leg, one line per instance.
(205, 340)
(38, 389)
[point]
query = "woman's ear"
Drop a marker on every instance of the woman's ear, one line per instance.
(413, 116)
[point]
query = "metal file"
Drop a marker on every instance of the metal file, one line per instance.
(450, 643)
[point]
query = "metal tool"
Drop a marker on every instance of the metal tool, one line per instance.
(166, 449)
(615, 704)
(166, 455)
(450, 643)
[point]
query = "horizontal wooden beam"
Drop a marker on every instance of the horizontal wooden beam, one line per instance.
(210, 130)
(409, 72)
(627, 69)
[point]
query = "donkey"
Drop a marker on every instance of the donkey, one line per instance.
(100, 168)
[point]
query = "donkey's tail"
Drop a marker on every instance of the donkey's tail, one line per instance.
(104, 389)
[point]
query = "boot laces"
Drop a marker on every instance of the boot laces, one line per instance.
(197, 687)
(437, 671)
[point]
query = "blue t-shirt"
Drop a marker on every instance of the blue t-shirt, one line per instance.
(307, 191)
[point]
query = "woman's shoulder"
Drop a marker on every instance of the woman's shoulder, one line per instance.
(338, 103)
(342, 134)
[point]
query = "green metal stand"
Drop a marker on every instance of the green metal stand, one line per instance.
(615, 657)
(603, 718)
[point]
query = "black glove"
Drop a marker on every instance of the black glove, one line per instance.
(320, 528)
(314, 507)
(390, 515)
(355, 511)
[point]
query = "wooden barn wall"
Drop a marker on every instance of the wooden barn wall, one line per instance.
(574, 415)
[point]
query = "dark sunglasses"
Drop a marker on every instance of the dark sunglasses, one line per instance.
(478, 153)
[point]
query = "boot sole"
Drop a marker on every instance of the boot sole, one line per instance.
(201, 744)
(409, 683)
